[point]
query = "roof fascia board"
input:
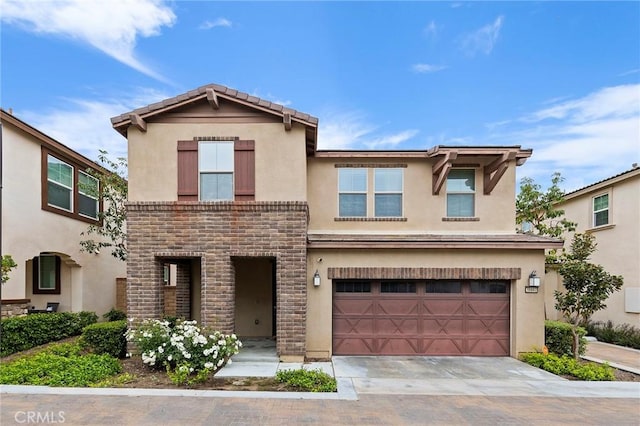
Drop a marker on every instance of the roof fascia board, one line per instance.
(49, 142)
(601, 185)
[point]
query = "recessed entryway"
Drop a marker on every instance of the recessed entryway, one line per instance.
(254, 297)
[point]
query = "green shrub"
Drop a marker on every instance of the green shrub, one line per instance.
(21, 333)
(621, 334)
(307, 380)
(566, 365)
(559, 339)
(114, 315)
(106, 338)
(59, 365)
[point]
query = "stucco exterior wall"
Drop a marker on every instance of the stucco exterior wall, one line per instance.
(618, 249)
(527, 310)
(279, 155)
(423, 211)
(87, 280)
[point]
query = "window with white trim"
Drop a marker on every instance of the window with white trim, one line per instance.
(388, 192)
(601, 210)
(352, 192)
(461, 188)
(59, 184)
(88, 191)
(215, 166)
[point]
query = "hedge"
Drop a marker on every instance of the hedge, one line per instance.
(106, 338)
(21, 333)
(559, 339)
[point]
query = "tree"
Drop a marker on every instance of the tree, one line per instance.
(111, 229)
(7, 265)
(587, 285)
(538, 209)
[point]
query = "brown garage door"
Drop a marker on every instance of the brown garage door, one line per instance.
(442, 317)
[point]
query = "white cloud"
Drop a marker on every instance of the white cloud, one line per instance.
(427, 68)
(634, 71)
(353, 131)
(482, 40)
(220, 22)
(431, 30)
(84, 124)
(110, 26)
(587, 139)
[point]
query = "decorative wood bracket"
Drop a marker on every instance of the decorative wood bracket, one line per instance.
(286, 120)
(212, 98)
(138, 122)
(441, 171)
(494, 171)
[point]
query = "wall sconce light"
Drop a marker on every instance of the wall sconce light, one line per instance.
(316, 279)
(533, 284)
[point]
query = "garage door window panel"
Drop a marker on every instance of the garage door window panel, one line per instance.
(397, 287)
(491, 287)
(444, 287)
(353, 287)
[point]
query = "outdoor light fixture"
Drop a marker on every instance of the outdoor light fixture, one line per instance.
(316, 279)
(534, 283)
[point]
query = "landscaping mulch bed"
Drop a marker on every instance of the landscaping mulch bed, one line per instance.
(158, 379)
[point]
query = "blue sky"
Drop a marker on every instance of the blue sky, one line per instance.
(562, 78)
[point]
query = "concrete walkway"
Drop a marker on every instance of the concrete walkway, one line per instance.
(620, 357)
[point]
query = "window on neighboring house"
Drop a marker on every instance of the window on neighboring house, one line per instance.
(461, 193)
(352, 188)
(46, 274)
(601, 210)
(59, 184)
(388, 192)
(88, 187)
(215, 160)
(67, 190)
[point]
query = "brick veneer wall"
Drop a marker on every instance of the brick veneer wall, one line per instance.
(121, 294)
(183, 300)
(169, 307)
(424, 273)
(215, 233)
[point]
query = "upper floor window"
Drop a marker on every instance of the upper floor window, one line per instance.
(88, 203)
(388, 192)
(461, 188)
(356, 200)
(601, 210)
(59, 184)
(67, 190)
(216, 169)
(215, 165)
(352, 187)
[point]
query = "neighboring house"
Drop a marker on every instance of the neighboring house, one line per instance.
(610, 210)
(46, 204)
(237, 220)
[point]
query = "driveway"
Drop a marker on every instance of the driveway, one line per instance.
(491, 376)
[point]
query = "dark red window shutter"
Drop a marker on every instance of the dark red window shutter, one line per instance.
(187, 170)
(245, 170)
(35, 276)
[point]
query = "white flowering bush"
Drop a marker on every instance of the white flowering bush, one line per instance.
(188, 353)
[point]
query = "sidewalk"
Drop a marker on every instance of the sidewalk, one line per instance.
(620, 357)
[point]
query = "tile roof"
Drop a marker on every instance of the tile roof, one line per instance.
(224, 92)
(634, 168)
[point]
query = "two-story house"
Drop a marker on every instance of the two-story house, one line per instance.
(48, 200)
(610, 211)
(332, 252)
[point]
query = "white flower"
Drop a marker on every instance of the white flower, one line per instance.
(160, 349)
(229, 362)
(220, 361)
(208, 365)
(170, 357)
